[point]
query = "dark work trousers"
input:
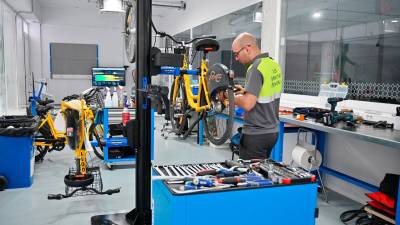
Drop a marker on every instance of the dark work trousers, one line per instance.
(257, 146)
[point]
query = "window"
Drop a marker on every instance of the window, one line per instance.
(356, 42)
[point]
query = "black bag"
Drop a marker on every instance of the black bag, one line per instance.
(132, 133)
(390, 185)
(17, 126)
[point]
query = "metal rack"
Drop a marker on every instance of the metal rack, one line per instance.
(113, 116)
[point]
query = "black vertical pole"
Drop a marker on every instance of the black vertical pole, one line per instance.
(141, 215)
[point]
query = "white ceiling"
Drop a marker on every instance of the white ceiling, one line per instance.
(90, 4)
(67, 4)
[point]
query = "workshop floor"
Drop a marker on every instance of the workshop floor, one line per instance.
(30, 205)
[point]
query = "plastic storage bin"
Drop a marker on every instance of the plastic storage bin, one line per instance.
(16, 151)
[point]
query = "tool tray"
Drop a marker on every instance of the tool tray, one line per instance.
(279, 175)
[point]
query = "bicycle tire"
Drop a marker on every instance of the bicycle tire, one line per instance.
(217, 129)
(94, 135)
(178, 110)
(3, 183)
(130, 32)
(72, 181)
(41, 151)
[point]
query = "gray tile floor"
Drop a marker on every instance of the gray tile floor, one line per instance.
(30, 205)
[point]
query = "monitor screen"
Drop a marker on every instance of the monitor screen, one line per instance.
(108, 76)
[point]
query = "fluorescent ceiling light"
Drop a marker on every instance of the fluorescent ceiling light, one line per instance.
(111, 6)
(316, 15)
(258, 17)
(395, 21)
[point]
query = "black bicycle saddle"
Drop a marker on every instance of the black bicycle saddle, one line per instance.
(207, 45)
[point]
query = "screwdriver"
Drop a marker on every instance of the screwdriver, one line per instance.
(203, 182)
(219, 172)
(256, 183)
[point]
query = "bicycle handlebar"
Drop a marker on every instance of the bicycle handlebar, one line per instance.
(163, 34)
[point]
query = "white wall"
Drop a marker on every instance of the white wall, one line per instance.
(84, 26)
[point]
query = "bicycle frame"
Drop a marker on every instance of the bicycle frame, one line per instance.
(57, 135)
(86, 118)
(194, 101)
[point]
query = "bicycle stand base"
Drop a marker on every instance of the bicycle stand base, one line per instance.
(117, 219)
(134, 217)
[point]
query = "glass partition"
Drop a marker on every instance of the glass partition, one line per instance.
(356, 42)
(226, 28)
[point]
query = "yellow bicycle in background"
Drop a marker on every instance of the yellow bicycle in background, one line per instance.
(47, 138)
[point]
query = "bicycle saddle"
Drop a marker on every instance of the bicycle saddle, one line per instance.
(45, 102)
(207, 45)
(42, 110)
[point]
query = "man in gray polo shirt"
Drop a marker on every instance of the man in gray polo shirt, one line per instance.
(259, 98)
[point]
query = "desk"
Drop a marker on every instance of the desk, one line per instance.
(385, 137)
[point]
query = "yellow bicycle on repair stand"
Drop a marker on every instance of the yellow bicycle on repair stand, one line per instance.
(215, 109)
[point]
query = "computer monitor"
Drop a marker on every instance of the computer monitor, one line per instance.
(108, 76)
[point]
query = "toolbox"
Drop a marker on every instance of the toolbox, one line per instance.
(283, 195)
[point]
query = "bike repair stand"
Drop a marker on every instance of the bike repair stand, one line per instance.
(142, 214)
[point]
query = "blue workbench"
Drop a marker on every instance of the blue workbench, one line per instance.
(387, 137)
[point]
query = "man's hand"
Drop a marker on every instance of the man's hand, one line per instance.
(223, 97)
(239, 90)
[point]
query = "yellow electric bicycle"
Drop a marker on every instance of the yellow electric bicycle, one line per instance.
(83, 179)
(216, 110)
(47, 138)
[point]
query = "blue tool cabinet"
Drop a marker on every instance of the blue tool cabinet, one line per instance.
(272, 205)
(105, 117)
(17, 160)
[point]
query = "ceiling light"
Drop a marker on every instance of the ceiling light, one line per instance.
(258, 17)
(111, 6)
(258, 14)
(316, 15)
(395, 21)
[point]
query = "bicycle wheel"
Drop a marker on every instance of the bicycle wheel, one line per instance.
(218, 121)
(41, 151)
(130, 32)
(178, 108)
(96, 133)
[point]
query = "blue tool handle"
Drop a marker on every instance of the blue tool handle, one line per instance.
(263, 182)
(256, 183)
(190, 187)
(227, 173)
(203, 182)
(253, 177)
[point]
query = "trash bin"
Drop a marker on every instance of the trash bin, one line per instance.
(16, 151)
